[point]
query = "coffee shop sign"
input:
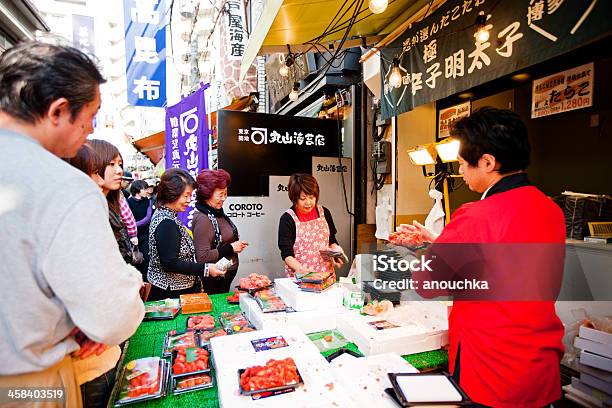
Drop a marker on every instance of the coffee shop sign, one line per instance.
(258, 136)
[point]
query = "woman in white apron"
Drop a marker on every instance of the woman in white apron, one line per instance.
(305, 229)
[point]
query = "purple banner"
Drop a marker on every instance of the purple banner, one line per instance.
(187, 139)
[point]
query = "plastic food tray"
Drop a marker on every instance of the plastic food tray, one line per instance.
(273, 389)
(176, 380)
(182, 375)
(163, 385)
(172, 333)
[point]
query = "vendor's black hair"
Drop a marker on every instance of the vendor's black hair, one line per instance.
(34, 74)
(173, 184)
(137, 186)
(498, 132)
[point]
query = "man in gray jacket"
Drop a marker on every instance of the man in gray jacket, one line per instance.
(60, 266)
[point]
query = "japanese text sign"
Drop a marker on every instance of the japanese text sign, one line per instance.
(440, 55)
(237, 36)
(449, 115)
(145, 52)
(562, 92)
(83, 33)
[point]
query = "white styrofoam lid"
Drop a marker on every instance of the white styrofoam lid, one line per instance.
(428, 388)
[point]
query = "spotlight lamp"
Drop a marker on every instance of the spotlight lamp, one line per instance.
(423, 155)
(295, 92)
(378, 6)
(395, 76)
(482, 29)
(448, 150)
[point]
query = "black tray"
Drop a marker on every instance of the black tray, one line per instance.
(177, 391)
(163, 387)
(205, 371)
(340, 351)
(465, 401)
(284, 387)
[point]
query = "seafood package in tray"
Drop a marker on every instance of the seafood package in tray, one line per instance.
(162, 309)
(276, 375)
(190, 383)
(141, 380)
(201, 322)
(316, 281)
(176, 340)
(190, 361)
(269, 301)
(234, 323)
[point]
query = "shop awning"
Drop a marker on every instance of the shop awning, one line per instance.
(295, 22)
(153, 146)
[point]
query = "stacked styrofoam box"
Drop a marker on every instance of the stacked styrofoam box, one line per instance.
(594, 387)
(309, 321)
(427, 330)
(302, 301)
(320, 388)
(366, 378)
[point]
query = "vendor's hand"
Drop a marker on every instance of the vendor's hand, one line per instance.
(426, 234)
(239, 246)
(88, 347)
(214, 271)
(337, 262)
(134, 240)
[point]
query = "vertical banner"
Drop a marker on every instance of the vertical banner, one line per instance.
(187, 139)
(83, 33)
(145, 52)
(237, 36)
(563, 92)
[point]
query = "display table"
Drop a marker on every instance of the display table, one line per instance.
(148, 341)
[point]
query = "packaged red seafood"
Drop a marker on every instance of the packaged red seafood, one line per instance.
(407, 237)
(140, 380)
(269, 301)
(234, 298)
(275, 375)
(193, 360)
(178, 340)
(234, 323)
(255, 282)
(200, 322)
(205, 336)
(192, 383)
(317, 281)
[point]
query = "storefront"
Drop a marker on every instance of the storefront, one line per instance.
(19, 20)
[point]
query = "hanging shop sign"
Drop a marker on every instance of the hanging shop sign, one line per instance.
(441, 56)
(187, 140)
(254, 146)
(145, 52)
(449, 115)
(237, 36)
(563, 92)
(83, 33)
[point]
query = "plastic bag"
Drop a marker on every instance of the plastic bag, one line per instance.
(435, 219)
(383, 219)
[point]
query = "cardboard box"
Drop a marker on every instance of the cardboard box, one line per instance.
(593, 347)
(309, 321)
(580, 398)
(596, 372)
(594, 360)
(595, 382)
(320, 389)
(597, 336)
(301, 301)
(195, 303)
(593, 395)
(429, 331)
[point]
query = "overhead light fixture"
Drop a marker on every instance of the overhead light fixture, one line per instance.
(465, 95)
(423, 155)
(448, 150)
(295, 92)
(378, 6)
(482, 30)
(288, 62)
(395, 76)
(523, 76)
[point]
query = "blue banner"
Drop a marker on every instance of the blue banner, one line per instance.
(145, 52)
(187, 139)
(83, 33)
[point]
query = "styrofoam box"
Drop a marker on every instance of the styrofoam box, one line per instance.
(593, 360)
(302, 301)
(366, 378)
(309, 322)
(597, 336)
(234, 352)
(593, 347)
(428, 331)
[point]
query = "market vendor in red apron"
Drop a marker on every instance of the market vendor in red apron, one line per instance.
(503, 353)
(305, 229)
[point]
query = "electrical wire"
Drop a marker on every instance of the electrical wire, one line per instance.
(341, 167)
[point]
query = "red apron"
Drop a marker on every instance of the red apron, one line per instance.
(509, 352)
(310, 237)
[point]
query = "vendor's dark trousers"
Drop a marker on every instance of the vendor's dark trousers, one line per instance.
(220, 284)
(95, 393)
(161, 294)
